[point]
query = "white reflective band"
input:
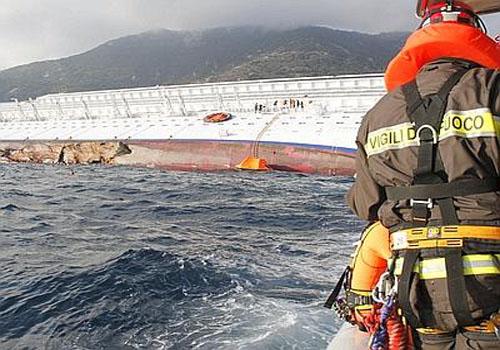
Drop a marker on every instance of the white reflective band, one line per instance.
(474, 264)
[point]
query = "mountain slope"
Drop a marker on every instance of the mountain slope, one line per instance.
(171, 57)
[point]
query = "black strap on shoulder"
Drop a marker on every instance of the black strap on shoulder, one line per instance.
(427, 114)
(410, 257)
(456, 287)
(431, 186)
(495, 93)
(336, 291)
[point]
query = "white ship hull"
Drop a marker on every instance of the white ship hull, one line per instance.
(306, 124)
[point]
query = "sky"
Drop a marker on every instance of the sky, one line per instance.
(34, 30)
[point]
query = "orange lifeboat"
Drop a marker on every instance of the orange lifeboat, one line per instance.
(217, 117)
(253, 163)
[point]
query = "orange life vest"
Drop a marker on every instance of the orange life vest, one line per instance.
(370, 258)
(439, 40)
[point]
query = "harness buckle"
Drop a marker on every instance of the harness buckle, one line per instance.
(342, 309)
(386, 287)
(433, 232)
(428, 202)
(434, 133)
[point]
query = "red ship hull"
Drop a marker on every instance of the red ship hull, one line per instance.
(195, 155)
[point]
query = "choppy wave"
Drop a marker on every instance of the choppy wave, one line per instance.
(118, 258)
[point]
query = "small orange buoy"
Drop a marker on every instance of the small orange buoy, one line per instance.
(217, 117)
(252, 163)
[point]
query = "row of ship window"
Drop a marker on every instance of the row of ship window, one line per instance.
(93, 113)
(369, 83)
(142, 120)
(139, 122)
(164, 125)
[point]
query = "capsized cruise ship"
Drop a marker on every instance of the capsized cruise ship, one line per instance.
(305, 124)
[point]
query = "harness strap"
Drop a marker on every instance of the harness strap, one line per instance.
(425, 111)
(354, 299)
(448, 211)
(411, 257)
(336, 291)
(427, 114)
(495, 93)
(430, 182)
(446, 205)
(455, 188)
(456, 287)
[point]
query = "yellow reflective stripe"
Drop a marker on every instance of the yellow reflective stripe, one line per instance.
(473, 123)
(392, 137)
(364, 307)
(467, 124)
(362, 292)
(474, 264)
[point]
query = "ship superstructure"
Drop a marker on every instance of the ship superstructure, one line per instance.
(303, 124)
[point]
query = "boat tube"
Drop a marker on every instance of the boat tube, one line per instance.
(349, 337)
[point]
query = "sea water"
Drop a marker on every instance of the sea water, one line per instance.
(120, 258)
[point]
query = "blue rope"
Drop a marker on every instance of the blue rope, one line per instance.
(380, 338)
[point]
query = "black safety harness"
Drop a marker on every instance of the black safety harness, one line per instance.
(430, 188)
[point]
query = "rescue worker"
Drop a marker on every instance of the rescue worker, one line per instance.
(428, 168)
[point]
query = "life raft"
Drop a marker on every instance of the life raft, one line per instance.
(217, 117)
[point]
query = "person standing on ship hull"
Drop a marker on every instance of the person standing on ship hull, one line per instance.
(428, 167)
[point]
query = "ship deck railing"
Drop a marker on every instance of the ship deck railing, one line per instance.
(323, 94)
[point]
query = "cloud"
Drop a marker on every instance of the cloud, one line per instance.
(38, 30)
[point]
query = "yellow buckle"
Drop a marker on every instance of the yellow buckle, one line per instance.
(424, 233)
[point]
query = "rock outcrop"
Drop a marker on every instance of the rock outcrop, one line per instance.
(65, 153)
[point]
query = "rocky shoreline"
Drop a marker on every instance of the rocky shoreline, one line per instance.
(63, 153)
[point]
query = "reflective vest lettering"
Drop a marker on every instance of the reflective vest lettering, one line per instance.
(466, 124)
